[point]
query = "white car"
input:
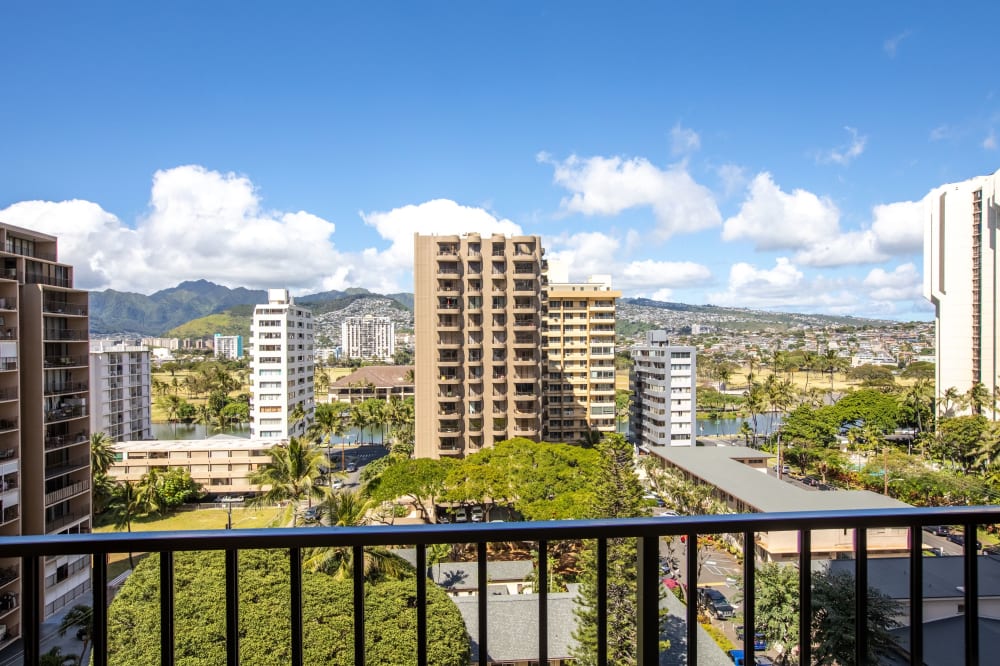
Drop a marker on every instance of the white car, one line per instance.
(460, 515)
(477, 514)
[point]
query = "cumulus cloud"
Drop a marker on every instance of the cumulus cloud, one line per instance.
(646, 274)
(891, 45)
(903, 283)
(772, 219)
(845, 154)
(898, 227)
(610, 185)
(683, 140)
(853, 247)
(438, 216)
(199, 224)
(783, 287)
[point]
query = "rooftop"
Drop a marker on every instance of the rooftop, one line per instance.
(942, 576)
(377, 375)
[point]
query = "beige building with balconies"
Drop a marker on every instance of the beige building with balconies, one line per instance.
(44, 433)
(578, 343)
(478, 304)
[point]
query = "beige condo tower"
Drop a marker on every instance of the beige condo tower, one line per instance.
(500, 352)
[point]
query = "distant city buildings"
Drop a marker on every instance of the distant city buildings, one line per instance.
(228, 346)
(281, 368)
(960, 280)
(368, 338)
(173, 344)
(663, 380)
(120, 380)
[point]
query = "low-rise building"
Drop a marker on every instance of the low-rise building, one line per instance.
(373, 381)
(221, 464)
(739, 477)
(462, 578)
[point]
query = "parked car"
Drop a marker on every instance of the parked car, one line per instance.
(352, 467)
(938, 530)
(759, 642)
(652, 497)
(461, 516)
(477, 514)
(959, 538)
(311, 515)
(810, 481)
(758, 659)
(715, 603)
(337, 484)
(785, 469)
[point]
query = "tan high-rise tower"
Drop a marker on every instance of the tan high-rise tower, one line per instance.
(44, 417)
(478, 304)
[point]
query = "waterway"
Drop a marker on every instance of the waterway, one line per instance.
(200, 431)
(710, 427)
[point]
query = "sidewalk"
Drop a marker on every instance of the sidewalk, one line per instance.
(68, 644)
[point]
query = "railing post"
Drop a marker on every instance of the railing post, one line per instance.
(295, 582)
(359, 605)
(971, 555)
(805, 597)
(648, 602)
(166, 608)
(421, 604)
(602, 602)
(232, 609)
(861, 595)
(543, 602)
(99, 641)
(30, 610)
(749, 592)
(692, 597)
(916, 595)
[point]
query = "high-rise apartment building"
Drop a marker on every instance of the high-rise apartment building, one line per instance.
(281, 368)
(369, 338)
(44, 433)
(962, 280)
(578, 343)
(478, 304)
(121, 391)
(228, 346)
(663, 392)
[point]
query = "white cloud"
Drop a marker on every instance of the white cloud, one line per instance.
(845, 154)
(903, 283)
(583, 254)
(891, 45)
(853, 247)
(662, 295)
(438, 216)
(783, 287)
(772, 219)
(734, 179)
(898, 227)
(683, 140)
(648, 274)
(990, 142)
(610, 185)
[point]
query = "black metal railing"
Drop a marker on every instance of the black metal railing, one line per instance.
(32, 549)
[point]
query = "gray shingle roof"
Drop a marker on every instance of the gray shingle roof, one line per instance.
(455, 576)
(512, 622)
(942, 576)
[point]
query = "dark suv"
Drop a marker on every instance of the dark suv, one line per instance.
(715, 603)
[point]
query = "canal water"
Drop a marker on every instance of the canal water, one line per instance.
(200, 431)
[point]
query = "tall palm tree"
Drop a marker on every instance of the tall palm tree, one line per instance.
(329, 422)
(295, 417)
(81, 618)
(171, 404)
(396, 415)
(126, 507)
(291, 476)
(358, 419)
(976, 397)
(349, 509)
(810, 361)
(948, 400)
(376, 417)
(755, 401)
(148, 492)
(102, 455)
(917, 397)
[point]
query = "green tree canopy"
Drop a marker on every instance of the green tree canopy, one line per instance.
(327, 613)
(869, 406)
(421, 479)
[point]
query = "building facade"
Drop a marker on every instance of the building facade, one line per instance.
(961, 280)
(121, 391)
(228, 346)
(368, 338)
(281, 368)
(663, 381)
(478, 304)
(380, 382)
(44, 426)
(578, 343)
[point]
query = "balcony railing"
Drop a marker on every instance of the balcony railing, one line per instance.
(64, 413)
(60, 307)
(65, 334)
(68, 387)
(68, 491)
(647, 531)
(64, 361)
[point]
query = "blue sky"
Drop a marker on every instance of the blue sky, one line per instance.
(767, 155)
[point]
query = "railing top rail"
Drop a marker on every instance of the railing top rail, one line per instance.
(491, 532)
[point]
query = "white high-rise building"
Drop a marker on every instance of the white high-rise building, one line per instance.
(962, 281)
(663, 392)
(120, 391)
(368, 338)
(228, 346)
(281, 367)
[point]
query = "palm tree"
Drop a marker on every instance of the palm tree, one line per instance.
(358, 419)
(988, 450)
(171, 404)
(296, 416)
(831, 363)
(81, 618)
(329, 421)
(126, 507)
(948, 400)
(291, 476)
(102, 455)
(977, 396)
(376, 417)
(348, 509)
(755, 401)
(55, 657)
(396, 414)
(916, 397)
(809, 362)
(148, 492)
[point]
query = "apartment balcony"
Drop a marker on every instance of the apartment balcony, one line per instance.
(8, 363)
(9, 514)
(50, 335)
(66, 467)
(68, 387)
(69, 491)
(31, 552)
(8, 425)
(64, 440)
(8, 302)
(64, 414)
(62, 521)
(63, 308)
(66, 361)
(9, 333)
